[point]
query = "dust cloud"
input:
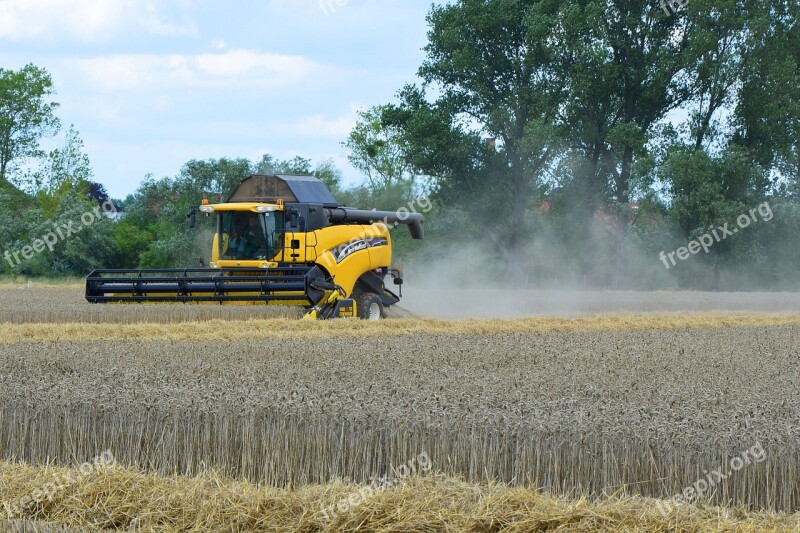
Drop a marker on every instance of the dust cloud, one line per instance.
(465, 282)
(506, 303)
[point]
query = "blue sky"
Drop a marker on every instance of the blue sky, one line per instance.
(151, 84)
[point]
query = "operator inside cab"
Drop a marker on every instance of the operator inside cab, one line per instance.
(244, 235)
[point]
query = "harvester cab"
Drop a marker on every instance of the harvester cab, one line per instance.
(279, 240)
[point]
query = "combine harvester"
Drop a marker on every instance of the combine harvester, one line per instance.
(280, 240)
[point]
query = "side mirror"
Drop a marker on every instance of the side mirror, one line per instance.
(398, 281)
(192, 216)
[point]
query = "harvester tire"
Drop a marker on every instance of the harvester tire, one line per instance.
(370, 306)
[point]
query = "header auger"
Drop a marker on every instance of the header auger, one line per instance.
(280, 240)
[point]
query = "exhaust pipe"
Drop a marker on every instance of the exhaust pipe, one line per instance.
(344, 215)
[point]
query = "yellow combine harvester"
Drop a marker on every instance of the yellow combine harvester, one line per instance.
(280, 240)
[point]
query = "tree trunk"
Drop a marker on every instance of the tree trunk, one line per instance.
(715, 280)
(3, 164)
(620, 259)
(516, 256)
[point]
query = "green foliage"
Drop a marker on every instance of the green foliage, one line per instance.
(131, 242)
(297, 166)
(217, 177)
(496, 74)
(543, 133)
(154, 232)
(767, 113)
(78, 235)
(330, 175)
(158, 210)
(63, 167)
(15, 219)
(376, 150)
(176, 250)
(709, 192)
(26, 115)
(458, 160)
(528, 104)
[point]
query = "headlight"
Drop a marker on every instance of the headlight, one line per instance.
(207, 208)
(266, 208)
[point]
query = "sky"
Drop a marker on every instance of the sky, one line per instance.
(152, 84)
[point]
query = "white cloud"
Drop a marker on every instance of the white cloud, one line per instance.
(151, 21)
(248, 68)
(321, 126)
(84, 20)
(246, 63)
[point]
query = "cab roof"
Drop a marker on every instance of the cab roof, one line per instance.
(291, 189)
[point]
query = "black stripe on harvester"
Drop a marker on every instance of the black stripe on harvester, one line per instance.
(205, 285)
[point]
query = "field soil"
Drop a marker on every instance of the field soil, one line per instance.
(66, 304)
(571, 422)
(497, 303)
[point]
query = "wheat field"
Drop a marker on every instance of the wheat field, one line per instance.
(594, 422)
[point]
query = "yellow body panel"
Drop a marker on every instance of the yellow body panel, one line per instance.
(347, 271)
(319, 267)
(316, 247)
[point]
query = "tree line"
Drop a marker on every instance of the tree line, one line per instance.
(577, 140)
(561, 143)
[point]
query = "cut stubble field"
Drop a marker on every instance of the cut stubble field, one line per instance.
(616, 409)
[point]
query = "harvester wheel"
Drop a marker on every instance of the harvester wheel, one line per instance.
(370, 306)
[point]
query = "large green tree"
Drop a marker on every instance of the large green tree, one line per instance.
(26, 115)
(628, 65)
(377, 151)
(717, 168)
(573, 97)
(767, 114)
(68, 164)
(490, 101)
(492, 62)
(215, 176)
